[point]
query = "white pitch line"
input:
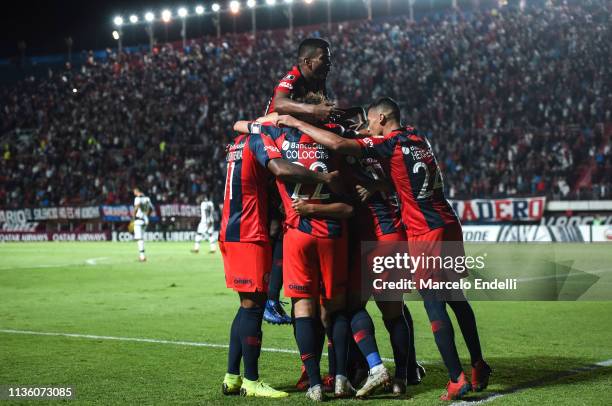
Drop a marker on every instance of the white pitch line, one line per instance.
(90, 261)
(535, 384)
(138, 340)
(151, 340)
(94, 261)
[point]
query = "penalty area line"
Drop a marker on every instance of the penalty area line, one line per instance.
(150, 340)
(536, 383)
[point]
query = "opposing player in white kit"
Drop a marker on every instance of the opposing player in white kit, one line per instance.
(206, 228)
(142, 208)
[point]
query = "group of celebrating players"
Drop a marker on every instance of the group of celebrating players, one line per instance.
(340, 182)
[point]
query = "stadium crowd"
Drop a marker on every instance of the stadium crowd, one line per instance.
(518, 103)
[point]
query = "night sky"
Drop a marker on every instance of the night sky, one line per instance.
(44, 25)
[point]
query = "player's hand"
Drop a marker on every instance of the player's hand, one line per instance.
(365, 132)
(287, 121)
(301, 207)
(323, 111)
(334, 183)
(364, 193)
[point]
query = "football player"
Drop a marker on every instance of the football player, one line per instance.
(314, 256)
(430, 222)
(140, 216)
(206, 228)
(246, 251)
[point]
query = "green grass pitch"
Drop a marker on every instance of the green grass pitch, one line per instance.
(99, 289)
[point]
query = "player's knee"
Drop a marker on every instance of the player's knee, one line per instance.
(252, 300)
(304, 307)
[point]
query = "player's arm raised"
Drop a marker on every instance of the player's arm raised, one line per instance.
(324, 137)
(242, 126)
(337, 210)
(284, 105)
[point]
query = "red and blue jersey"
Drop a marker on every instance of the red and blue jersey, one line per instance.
(295, 85)
(409, 160)
(245, 204)
(301, 149)
(380, 214)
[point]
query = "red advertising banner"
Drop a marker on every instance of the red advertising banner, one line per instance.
(500, 210)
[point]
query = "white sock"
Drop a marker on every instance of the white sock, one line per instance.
(141, 247)
(377, 368)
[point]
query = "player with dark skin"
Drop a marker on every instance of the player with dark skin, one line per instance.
(309, 75)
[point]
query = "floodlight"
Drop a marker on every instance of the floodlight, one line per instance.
(166, 15)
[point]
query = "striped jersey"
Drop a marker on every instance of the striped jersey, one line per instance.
(295, 85)
(245, 203)
(409, 160)
(380, 214)
(301, 149)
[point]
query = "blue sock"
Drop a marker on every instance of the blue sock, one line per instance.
(412, 361)
(306, 336)
(331, 350)
(276, 273)
(399, 333)
(340, 342)
(235, 347)
(250, 335)
(363, 333)
(444, 335)
(467, 323)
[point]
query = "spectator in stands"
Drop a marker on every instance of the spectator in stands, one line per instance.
(518, 103)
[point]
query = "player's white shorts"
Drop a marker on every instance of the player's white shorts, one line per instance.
(206, 229)
(140, 226)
